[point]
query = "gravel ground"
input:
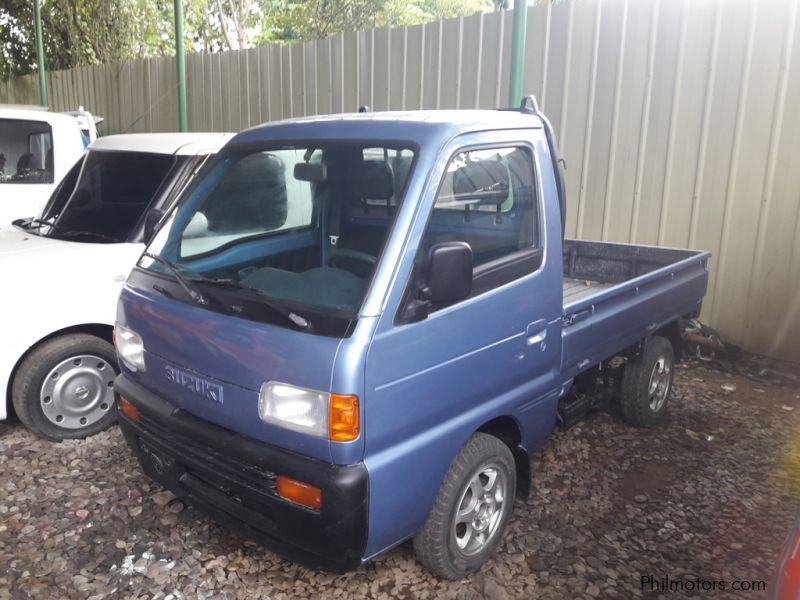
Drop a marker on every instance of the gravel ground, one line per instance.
(710, 494)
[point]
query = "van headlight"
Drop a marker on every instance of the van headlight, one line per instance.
(295, 408)
(130, 347)
(321, 414)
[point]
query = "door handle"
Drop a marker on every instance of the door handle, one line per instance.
(536, 332)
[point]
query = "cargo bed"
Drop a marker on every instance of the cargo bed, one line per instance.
(613, 293)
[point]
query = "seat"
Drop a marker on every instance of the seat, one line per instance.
(375, 181)
(401, 165)
(25, 162)
(258, 183)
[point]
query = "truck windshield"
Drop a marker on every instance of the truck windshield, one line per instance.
(301, 227)
(26, 152)
(103, 197)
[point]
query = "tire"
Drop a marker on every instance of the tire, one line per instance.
(453, 550)
(646, 384)
(64, 388)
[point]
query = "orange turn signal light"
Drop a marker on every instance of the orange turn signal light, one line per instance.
(128, 409)
(299, 492)
(343, 418)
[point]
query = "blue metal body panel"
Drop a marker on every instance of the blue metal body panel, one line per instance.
(425, 387)
(240, 355)
(617, 317)
(431, 384)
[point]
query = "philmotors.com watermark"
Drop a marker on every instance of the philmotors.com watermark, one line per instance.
(654, 583)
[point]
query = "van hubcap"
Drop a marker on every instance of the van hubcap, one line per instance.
(659, 383)
(480, 510)
(78, 391)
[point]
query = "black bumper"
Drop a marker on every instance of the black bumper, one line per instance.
(232, 477)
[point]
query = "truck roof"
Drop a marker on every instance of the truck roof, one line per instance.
(164, 143)
(402, 126)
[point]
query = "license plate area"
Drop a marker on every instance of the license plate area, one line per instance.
(161, 464)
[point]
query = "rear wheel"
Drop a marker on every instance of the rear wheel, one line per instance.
(646, 384)
(64, 388)
(471, 511)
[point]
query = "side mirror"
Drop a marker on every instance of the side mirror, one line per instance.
(449, 275)
(151, 220)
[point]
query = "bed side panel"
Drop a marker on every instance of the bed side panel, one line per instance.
(601, 325)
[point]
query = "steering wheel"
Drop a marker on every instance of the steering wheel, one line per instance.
(337, 254)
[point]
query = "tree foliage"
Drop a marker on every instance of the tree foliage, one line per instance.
(83, 32)
(315, 19)
(86, 32)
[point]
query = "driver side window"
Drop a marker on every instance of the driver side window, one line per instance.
(488, 200)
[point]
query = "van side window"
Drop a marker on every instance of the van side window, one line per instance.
(26, 152)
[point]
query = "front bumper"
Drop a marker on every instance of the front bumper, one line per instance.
(232, 477)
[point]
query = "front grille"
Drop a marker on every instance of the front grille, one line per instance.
(237, 479)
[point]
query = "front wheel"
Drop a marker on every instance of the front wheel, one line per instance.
(646, 384)
(471, 511)
(64, 388)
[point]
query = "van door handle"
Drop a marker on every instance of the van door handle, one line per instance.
(536, 332)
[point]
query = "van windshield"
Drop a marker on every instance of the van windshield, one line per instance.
(103, 197)
(299, 226)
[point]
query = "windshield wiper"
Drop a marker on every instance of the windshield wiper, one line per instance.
(298, 320)
(38, 221)
(184, 283)
(76, 233)
(31, 221)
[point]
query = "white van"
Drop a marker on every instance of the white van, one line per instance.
(62, 272)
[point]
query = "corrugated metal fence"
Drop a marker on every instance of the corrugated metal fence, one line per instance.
(678, 120)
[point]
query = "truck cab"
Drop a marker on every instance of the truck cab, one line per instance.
(351, 330)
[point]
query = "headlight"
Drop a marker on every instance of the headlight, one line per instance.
(294, 408)
(331, 416)
(130, 347)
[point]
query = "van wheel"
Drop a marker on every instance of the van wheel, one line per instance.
(646, 384)
(471, 511)
(64, 388)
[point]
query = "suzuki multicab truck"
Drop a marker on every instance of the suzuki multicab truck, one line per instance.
(353, 329)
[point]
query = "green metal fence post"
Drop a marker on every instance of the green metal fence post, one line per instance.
(517, 52)
(180, 60)
(37, 25)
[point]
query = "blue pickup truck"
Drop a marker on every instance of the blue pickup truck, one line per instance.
(353, 329)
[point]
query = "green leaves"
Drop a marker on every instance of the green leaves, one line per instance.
(87, 32)
(302, 20)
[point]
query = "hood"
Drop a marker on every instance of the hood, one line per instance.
(15, 242)
(190, 350)
(82, 279)
(26, 253)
